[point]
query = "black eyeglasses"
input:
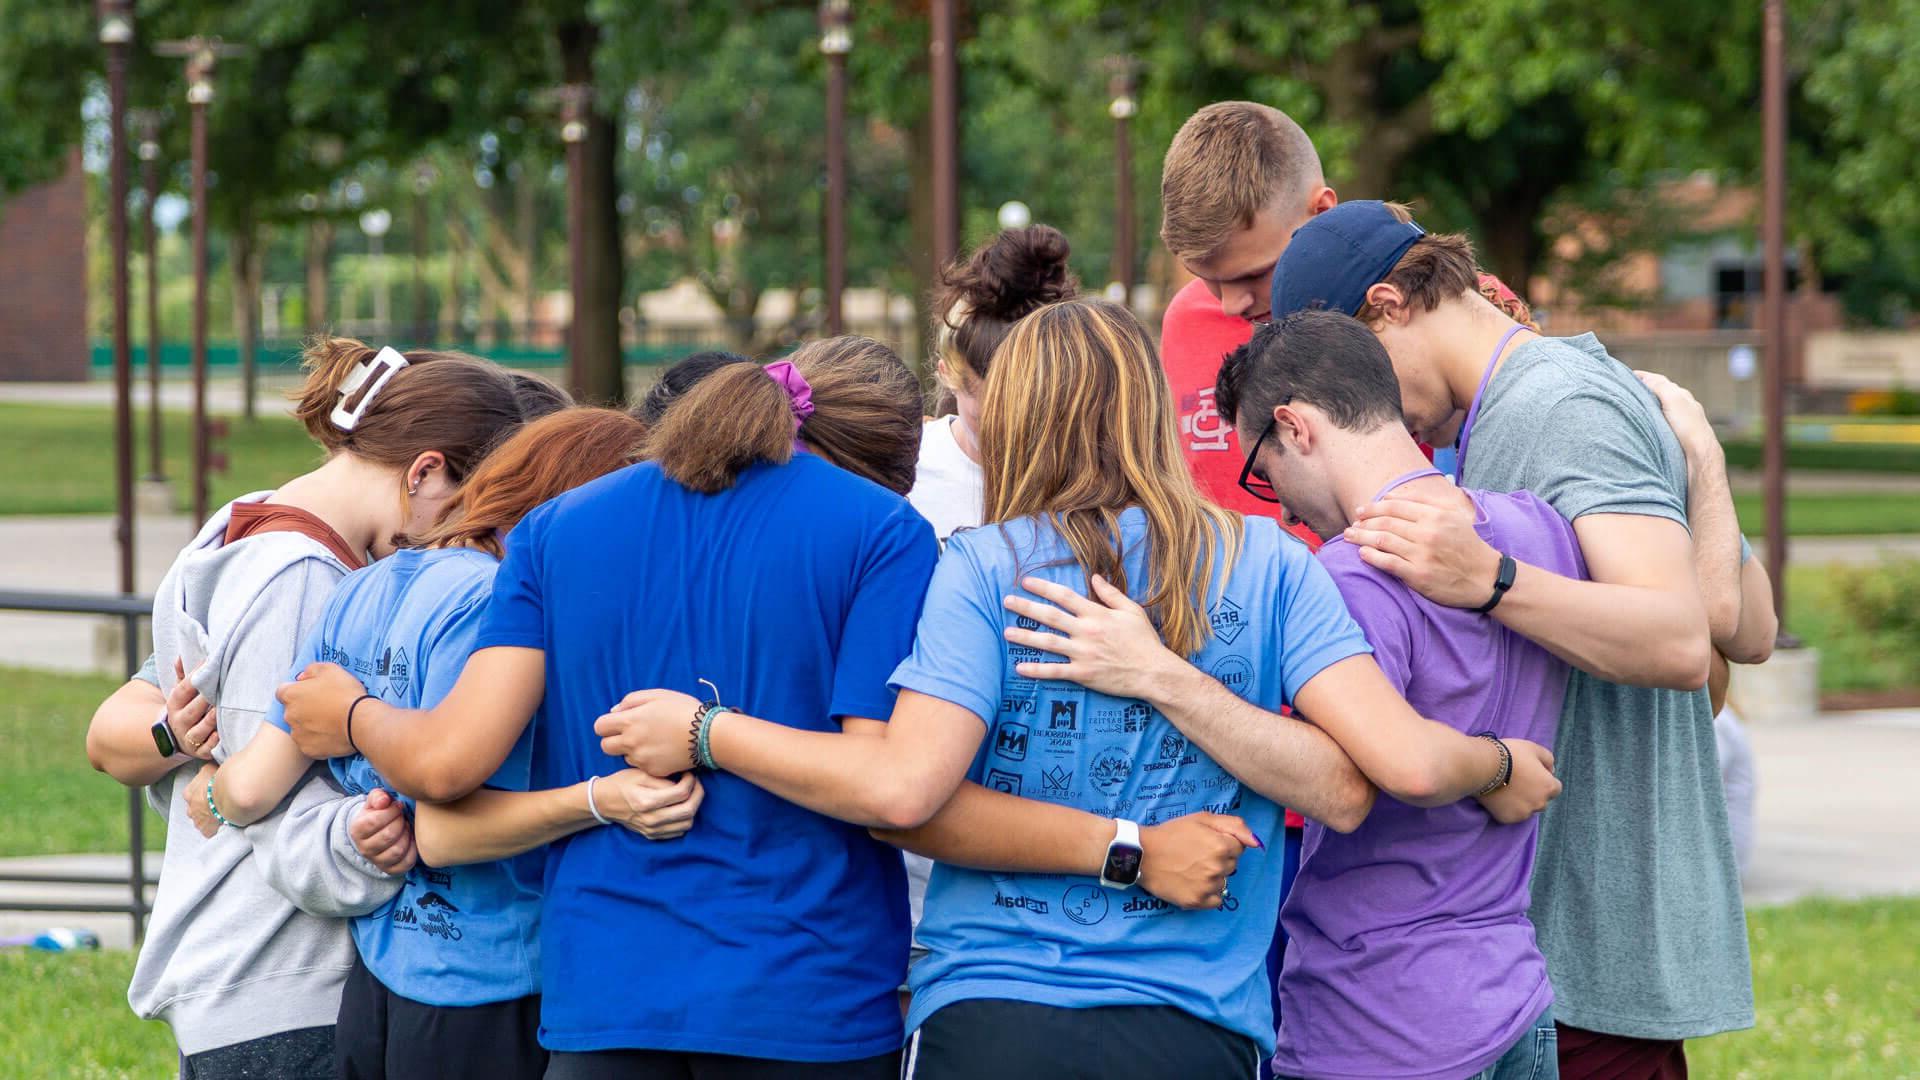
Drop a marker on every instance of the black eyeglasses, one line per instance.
(1257, 486)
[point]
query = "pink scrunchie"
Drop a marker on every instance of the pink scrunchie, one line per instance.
(799, 392)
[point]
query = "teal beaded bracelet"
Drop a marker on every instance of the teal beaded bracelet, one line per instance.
(215, 810)
(703, 734)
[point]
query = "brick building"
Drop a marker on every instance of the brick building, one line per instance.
(43, 280)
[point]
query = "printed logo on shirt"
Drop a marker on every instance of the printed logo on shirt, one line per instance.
(1228, 621)
(1061, 733)
(1201, 421)
(1010, 741)
(399, 671)
(442, 878)
(1165, 812)
(1027, 654)
(1020, 903)
(1145, 907)
(1018, 706)
(1224, 806)
(432, 914)
(1112, 768)
(1085, 904)
(1174, 752)
(1129, 719)
(1056, 782)
(1234, 673)
(1002, 781)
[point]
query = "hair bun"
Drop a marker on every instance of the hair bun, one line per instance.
(1020, 271)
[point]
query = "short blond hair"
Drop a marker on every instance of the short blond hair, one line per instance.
(1228, 162)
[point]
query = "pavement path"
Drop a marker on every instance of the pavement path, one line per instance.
(1837, 814)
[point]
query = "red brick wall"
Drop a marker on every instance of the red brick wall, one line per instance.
(43, 280)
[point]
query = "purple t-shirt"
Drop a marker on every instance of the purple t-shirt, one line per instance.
(1410, 952)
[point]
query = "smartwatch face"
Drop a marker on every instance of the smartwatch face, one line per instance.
(163, 739)
(1123, 864)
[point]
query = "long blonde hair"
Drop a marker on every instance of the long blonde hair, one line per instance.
(1077, 424)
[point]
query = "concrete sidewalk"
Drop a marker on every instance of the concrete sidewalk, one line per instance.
(1838, 814)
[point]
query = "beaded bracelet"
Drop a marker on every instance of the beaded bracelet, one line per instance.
(702, 742)
(1501, 778)
(215, 810)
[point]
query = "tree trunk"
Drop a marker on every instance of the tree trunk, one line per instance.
(244, 266)
(525, 228)
(596, 314)
(319, 248)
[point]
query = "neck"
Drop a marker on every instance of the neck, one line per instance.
(968, 439)
(1372, 461)
(1470, 327)
(338, 493)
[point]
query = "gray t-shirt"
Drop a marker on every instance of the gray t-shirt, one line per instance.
(1635, 895)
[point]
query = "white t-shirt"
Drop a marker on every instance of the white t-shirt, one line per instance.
(948, 485)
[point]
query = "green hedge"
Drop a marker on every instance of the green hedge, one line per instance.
(1832, 457)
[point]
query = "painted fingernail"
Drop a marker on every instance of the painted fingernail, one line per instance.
(1257, 842)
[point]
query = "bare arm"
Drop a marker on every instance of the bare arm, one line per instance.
(1185, 861)
(1111, 647)
(120, 736)
(887, 775)
(255, 780)
(1639, 620)
(434, 755)
(488, 824)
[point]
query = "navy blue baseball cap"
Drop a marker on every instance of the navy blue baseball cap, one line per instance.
(1338, 255)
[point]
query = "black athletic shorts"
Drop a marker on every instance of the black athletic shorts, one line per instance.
(383, 1036)
(1018, 1040)
(306, 1054)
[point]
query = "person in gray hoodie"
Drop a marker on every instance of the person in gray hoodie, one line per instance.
(246, 952)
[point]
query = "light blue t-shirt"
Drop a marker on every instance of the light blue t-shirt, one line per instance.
(465, 935)
(1066, 941)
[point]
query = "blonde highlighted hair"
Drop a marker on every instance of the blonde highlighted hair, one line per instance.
(1077, 425)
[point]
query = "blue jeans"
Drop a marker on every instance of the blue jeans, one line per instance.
(1534, 1056)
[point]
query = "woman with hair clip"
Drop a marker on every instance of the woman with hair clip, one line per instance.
(1045, 805)
(248, 979)
(766, 551)
(446, 980)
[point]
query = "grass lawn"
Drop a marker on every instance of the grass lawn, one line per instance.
(1851, 657)
(51, 800)
(60, 457)
(66, 1015)
(1835, 514)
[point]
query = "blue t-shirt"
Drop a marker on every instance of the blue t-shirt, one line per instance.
(465, 935)
(768, 930)
(1066, 941)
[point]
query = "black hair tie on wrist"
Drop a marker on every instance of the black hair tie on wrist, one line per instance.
(350, 711)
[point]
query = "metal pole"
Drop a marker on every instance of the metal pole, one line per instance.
(946, 136)
(421, 315)
(1122, 109)
(836, 38)
(573, 132)
(1773, 242)
(199, 93)
(150, 168)
(131, 648)
(116, 33)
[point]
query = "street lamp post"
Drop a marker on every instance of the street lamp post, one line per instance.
(423, 177)
(375, 224)
(148, 121)
(573, 132)
(116, 34)
(1121, 86)
(946, 135)
(1773, 215)
(836, 40)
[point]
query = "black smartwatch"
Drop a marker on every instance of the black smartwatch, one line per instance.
(1122, 868)
(163, 736)
(1502, 581)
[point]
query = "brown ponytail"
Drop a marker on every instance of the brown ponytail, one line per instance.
(866, 418)
(457, 404)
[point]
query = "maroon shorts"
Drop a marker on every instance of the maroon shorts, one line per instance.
(1589, 1055)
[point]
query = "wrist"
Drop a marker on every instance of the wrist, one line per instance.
(586, 806)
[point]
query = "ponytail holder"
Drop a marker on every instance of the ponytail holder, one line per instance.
(799, 392)
(387, 361)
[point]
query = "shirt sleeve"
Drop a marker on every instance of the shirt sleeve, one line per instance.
(310, 650)
(1605, 458)
(958, 653)
(1382, 612)
(880, 620)
(1314, 629)
(517, 614)
(150, 671)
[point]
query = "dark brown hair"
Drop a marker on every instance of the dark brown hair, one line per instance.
(1011, 276)
(866, 418)
(457, 404)
(543, 459)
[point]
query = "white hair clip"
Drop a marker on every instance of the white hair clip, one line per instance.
(387, 361)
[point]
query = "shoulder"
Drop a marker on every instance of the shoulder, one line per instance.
(1527, 527)
(456, 572)
(1194, 323)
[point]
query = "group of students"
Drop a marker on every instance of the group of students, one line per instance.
(1056, 647)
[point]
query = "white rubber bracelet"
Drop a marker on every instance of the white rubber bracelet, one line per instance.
(591, 808)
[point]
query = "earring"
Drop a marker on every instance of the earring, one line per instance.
(415, 489)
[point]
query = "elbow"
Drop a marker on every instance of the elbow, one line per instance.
(97, 755)
(905, 804)
(1689, 662)
(1352, 809)
(437, 780)
(246, 802)
(1755, 644)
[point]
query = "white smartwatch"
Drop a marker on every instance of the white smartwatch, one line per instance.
(1122, 868)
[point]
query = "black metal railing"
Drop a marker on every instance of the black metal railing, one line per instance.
(129, 608)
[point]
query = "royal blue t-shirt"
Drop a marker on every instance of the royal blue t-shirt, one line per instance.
(767, 930)
(465, 935)
(1066, 941)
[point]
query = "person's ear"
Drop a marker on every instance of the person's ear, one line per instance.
(1388, 300)
(1291, 427)
(423, 466)
(1323, 200)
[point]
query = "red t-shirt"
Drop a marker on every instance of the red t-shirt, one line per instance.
(1194, 338)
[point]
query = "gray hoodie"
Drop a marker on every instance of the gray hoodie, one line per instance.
(246, 938)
